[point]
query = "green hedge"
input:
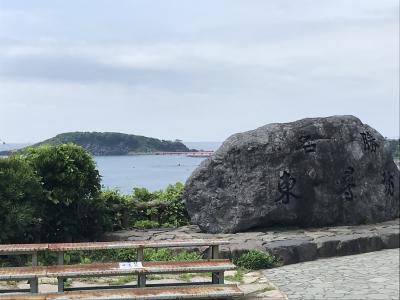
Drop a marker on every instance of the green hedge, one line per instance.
(21, 195)
(256, 260)
(144, 209)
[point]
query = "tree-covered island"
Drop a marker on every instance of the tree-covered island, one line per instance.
(114, 143)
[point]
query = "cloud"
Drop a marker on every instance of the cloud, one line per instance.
(258, 62)
(354, 51)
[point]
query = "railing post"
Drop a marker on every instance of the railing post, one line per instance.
(34, 283)
(60, 279)
(141, 281)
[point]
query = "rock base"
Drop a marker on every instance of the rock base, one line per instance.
(291, 244)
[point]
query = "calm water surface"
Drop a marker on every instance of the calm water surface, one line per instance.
(153, 172)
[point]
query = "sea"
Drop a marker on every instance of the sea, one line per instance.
(153, 172)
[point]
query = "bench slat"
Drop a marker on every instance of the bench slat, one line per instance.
(134, 244)
(148, 268)
(103, 269)
(187, 292)
(22, 248)
(17, 273)
(57, 247)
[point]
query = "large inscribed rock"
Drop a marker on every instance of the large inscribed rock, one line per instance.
(312, 172)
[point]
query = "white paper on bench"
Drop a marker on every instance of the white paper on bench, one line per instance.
(130, 265)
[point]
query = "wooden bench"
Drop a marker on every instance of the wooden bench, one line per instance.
(61, 272)
(187, 292)
(25, 249)
(139, 246)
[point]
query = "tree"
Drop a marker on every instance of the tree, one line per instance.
(20, 197)
(72, 208)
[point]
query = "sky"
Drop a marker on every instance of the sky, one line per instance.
(194, 70)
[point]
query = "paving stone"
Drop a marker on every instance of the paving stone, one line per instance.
(391, 240)
(373, 275)
(379, 279)
(293, 251)
(378, 297)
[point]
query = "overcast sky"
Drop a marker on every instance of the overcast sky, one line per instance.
(194, 70)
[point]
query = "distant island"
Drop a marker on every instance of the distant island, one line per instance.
(113, 143)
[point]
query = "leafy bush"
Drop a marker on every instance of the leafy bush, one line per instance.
(187, 256)
(72, 208)
(146, 224)
(164, 207)
(162, 254)
(86, 257)
(144, 209)
(118, 210)
(20, 201)
(143, 195)
(255, 260)
(175, 212)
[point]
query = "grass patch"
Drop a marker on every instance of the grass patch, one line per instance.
(154, 277)
(256, 260)
(68, 283)
(122, 280)
(188, 277)
(12, 283)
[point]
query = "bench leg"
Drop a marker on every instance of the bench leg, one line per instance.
(34, 283)
(218, 277)
(60, 284)
(140, 254)
(213, 253)
(60, 279)
(141, 280)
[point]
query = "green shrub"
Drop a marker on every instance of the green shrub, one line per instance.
(162, 254)
(119, 213)
(142, 195)
(255, 260)
(165, 254)
(175, 212)
(21, 195)
(144, 209)
(187, 256)
(72, 209)
(146, 224)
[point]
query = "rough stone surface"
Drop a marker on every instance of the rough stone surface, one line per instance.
(372, 275)
(312, 172)
(292, 245)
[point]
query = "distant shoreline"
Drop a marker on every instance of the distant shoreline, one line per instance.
(177, 153)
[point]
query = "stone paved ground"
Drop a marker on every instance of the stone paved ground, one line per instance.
(293, 245)
(373, 275)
